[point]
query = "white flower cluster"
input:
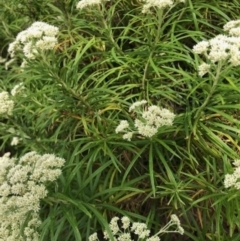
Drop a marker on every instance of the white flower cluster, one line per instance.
(38, 37)
(175, 221)
(15, 141)
(233, 27)
(148, 121)
(128, 230)
(22, 186)
(203, 69)
(233, 180)
(160, 4)
(86, 3)
(16, 138)
(6, 104)
(222, 48)
(17, 89)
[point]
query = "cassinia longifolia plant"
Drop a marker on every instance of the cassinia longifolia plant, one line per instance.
(147, 122)
(22, 186)
(220, 54)
(23, 182)
(128, 230)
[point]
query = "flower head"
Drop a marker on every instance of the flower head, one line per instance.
(123, 125)
(147, 122)
(232, 180)
(21, 192)
(124, 237)
(175, 219)
(201, 47)
(233, 27)
(137, 104)
(221, 48)
(6, 104)
(126, 222)
(160, 4)
(114, 225)
(93, 237)
(39, 36)
(15, 141)
(136, 230)
(86, 3)
(203, 69)
(140, 229)
(128, 136)
(154, 238)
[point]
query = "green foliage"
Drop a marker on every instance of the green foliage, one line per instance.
(74, 97)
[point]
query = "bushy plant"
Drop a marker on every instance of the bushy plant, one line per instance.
(140, 98)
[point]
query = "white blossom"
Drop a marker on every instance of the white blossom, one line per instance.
(175, 219)
(46, 29)
(203, 69)
(201, 47)
(114, 225)
(20, 193)
(145, 129)
(126, 222)
(140, 229)
(236, 162)
(221, 48)
(147, 122)
(124, 237)
(106, 236)
(232, 25)
(15, 141)
(29, 50)
(234, 55)
(93, 237)
(136, 230)
(157, 117)
(235, 32)
(6, 104)
(47, 42)
(128, 136)
(160, 4)
(154, 238)
(137, 104)
(39, 36)
(13, 47)
(230, 180)
(85, 3)
(122, 126)
(181, 230)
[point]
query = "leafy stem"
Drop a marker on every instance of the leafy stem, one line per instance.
(156, 40)
(216, 78)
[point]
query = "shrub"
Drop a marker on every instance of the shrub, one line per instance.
(70, 98)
